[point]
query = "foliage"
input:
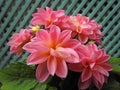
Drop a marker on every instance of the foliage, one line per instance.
(111, 85)
(18, 76)
(115, 62)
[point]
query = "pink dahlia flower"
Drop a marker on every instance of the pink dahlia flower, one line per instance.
(51, 50)
(19, 40)
(81, 26)
(93, 66)
(46, 17)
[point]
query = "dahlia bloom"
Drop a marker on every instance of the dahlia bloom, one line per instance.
(81, 26)
(50, 50)
(46, 17)
(93, 66)
(58, 42)
(85, 28)
(19, 40)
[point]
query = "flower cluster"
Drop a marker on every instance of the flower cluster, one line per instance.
(58, 43)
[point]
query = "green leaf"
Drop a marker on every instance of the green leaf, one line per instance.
(111, 85)
(52, 88)
(115, 62)
(40, 86)
(43, 86)
(17, 76)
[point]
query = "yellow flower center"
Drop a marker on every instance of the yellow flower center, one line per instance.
(90, 42)
(36, 28)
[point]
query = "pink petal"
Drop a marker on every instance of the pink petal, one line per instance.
(40, 10)
(49, 10)
(41, 72)
(92, 64)
(73, 58)
(15, 35)
(54, 33)
(97, 84)
(65, 36)
(99, 54)
(36, 58)
(86, 62)
(61, 70)
(92, 52)
(101, 70)
(82, 19)
(35, 46)
(16, 50)
(86, 29)
(62, 53)
(83, 38)
(106, 66)
(52, 65)
(83, 51)
(39, 17)
(84, 85)
(59, 13)
(98, 41)
(35, 20)
(73, 43)
(43, 35)
(25, 34)
(86, 74)
(103, 59)
(99, 77)
(77, 67)
(53, 52)
(93, 47)
(38, 20)
(68, 54)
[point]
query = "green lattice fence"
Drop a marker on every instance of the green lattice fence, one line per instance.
(16, 14)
